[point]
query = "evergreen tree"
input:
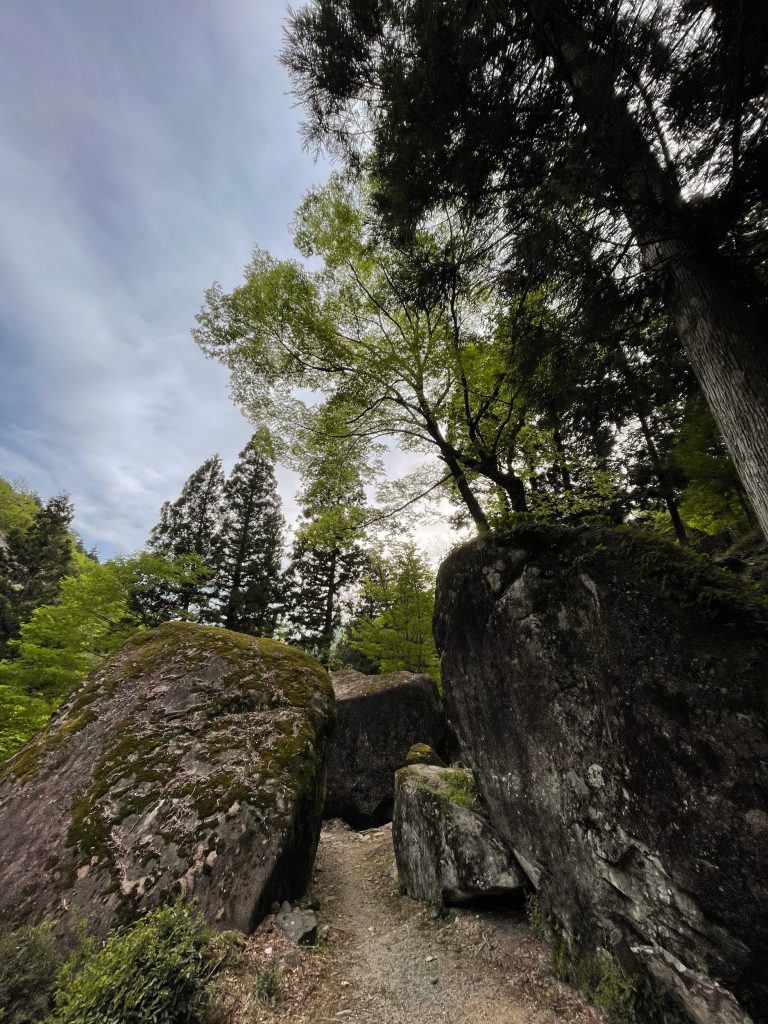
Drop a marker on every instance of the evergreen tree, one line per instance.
(192, 525)
(33, 561)
(327, 557)
(249, 577)
(402, 586)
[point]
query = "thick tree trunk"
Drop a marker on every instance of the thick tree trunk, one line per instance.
(725, 347)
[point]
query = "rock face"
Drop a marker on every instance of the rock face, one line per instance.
(378, 719)
(444, 848)
(193, 761)
(610, 694)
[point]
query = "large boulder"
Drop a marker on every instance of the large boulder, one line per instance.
(193, 761)
(378, 719)
(444, 848)
(610, 694)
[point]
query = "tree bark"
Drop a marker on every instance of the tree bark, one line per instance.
(716, 328)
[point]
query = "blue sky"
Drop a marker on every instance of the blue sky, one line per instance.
(145, 148)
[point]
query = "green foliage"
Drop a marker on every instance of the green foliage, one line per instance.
(33, 560)
(400, 588)
(712, 500)
(602, 981)
(248, 579)
(18, 507)
(191, 526)
(460, 788)
(21, 716)
(267, 989)
(29, 962)
(154, 972)
(61, 643)
(327, 558)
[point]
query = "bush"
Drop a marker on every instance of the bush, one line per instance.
(29, 963)
(155, 971)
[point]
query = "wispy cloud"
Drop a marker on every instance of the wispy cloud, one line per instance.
(144, 149)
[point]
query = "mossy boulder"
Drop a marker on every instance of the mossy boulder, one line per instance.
(444, 847)
(422, 753)
(609, 691)
(193, 761)
(379, 717)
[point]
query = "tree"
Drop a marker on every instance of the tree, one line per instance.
(327, 556)
(248, 578)
(95, 612)
(370, 332)
(33, 560)
(401, 586)
(192, 525)
(665, 103)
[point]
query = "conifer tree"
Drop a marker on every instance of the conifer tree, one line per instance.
(32, 564)
(249, 577)
(327, 556)
(192, 525)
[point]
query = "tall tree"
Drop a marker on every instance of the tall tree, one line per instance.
(192, 525)
(401, 587)
(249, 578)
(327, 556)
(664, 104)
(33, 560)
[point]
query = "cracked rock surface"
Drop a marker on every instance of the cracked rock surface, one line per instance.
(609, 692)
(193, 761)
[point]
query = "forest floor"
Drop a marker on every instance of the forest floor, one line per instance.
(383, 958)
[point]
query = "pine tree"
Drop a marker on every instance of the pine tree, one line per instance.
(249, 577)
(33, 561)
(402, 587)
(192, 525)
(327, 555)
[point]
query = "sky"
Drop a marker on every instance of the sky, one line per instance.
(145, 148)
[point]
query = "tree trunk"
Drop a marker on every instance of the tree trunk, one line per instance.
(330, 597)
(715, 326)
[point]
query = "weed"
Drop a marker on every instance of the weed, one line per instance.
(268, 990)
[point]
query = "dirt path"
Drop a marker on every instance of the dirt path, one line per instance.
(385, 959)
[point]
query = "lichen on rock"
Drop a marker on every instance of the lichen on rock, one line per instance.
(610, 694)
(192, 761)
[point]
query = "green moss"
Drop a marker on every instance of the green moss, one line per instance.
(30, 759)
(460, 788)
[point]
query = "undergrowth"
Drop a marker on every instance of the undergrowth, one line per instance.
(158, 969)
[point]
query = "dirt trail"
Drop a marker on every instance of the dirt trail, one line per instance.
(385, 959)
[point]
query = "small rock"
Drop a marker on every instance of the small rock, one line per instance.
(300, 926)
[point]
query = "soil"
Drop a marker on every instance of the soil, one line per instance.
(383, 958)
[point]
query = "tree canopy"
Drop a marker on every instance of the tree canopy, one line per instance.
(635, 130)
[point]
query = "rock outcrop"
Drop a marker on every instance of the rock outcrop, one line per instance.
(378, 719)
(444, 848)
(610, 694)
(193, 761)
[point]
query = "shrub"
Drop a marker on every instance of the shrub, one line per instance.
(29, 963)
(155, 971)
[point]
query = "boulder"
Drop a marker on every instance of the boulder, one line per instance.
(193, 761)
(422, 753)
(444, 848)
(609, 692)
(378, 719)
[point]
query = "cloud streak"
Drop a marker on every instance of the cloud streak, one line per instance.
(145, 149)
